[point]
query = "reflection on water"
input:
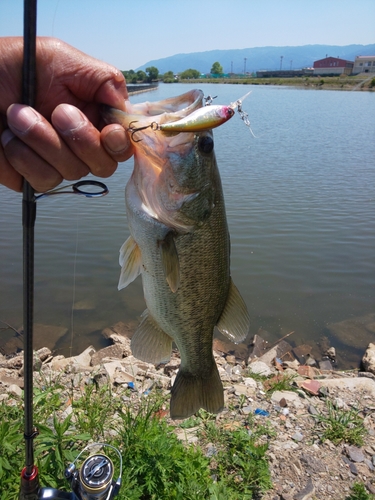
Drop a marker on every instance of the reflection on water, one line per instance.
(300, 201)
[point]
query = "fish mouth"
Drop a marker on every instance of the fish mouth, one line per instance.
(181, 105)
(144, 114)
(110, 115)
(105, 110)
(181, 139)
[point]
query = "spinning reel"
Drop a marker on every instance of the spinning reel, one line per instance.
(93, 480)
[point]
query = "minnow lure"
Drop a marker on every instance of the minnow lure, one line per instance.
(201, 119)
(205, 118)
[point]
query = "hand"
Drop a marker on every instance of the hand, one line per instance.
(63, 137)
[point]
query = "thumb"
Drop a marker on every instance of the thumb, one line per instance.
(113, 92)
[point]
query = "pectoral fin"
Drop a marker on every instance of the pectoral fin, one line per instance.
(234, 321)
(130, 262)
(170, 262)
(150, 343)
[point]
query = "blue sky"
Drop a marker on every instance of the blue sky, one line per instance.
(129, 33)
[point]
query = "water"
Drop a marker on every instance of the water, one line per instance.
(300, 201)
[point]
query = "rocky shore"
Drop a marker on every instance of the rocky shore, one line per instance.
(303, 464)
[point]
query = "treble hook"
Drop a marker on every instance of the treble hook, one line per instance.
(132, 130)
(209, 99)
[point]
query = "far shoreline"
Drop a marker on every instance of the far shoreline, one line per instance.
(357, 83)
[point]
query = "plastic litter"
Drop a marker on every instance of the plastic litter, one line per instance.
(259, 411)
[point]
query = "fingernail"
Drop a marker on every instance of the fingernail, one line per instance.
(21, 118)
(117, 140)
(67, 118)
(6, 137)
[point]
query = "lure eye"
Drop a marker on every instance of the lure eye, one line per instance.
(206, 145)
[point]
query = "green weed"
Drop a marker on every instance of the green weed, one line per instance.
(279, 383)
(239, 464)
(342, 425)
(47, 400)
(157, 465)
(11, 442)
(94, 410)
(190, 422)
(359, 492)
(257, 376)
(55, 446)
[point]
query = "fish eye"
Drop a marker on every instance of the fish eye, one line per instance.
(205, 144)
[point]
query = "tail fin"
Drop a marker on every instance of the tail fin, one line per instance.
(190, 393)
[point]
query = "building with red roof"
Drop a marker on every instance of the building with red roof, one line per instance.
(333, 66)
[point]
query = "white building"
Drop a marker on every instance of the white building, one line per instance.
(364, 64)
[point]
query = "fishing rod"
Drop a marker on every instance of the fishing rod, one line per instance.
(94, 479)
(29, 474)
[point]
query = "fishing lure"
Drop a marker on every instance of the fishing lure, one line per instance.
(205, 118)
(201, 119)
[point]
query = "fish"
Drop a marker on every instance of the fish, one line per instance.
(179, 243)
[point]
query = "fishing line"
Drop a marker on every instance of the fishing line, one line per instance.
(52, 61)
(54, 17)
(74, 289)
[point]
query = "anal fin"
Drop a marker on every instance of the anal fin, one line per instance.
(130, 262)
(234, 321)
(150, 343)
(190, 393)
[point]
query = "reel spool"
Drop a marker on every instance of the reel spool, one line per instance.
(96, 476)
(94, 480)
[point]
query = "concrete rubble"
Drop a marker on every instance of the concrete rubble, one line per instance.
(303, 467)
(369, 359)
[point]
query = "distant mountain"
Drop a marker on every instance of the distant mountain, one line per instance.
(258, 58)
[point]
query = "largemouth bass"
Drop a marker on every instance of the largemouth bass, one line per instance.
(180, 245)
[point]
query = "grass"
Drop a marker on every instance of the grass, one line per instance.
(157, 465)
(341, 425)
(258, 377)
(280, 383)
(329, 82)
(359, 492)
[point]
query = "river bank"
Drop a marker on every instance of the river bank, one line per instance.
(358, 82)
(296, 401)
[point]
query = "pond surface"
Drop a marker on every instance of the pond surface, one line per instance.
(300, 200)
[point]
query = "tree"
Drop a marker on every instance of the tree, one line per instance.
(216, 68)
(141, 76)
(168, 77)
(189, 73)
(153, 73)
(129, 74)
